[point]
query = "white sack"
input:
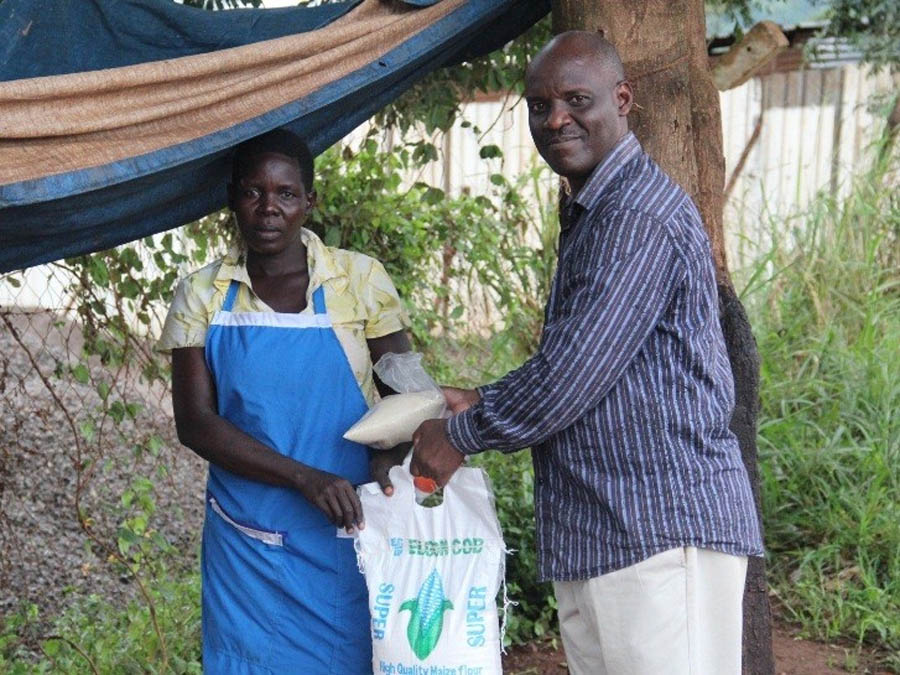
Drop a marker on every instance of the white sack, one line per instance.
(433, 576)
(393, 419)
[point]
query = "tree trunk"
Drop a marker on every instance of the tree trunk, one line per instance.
(678, 121)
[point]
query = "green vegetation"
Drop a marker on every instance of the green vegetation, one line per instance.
(826, 312)
(95, 636)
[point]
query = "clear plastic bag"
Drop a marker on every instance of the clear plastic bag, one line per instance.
(394, 418)
(404, 373)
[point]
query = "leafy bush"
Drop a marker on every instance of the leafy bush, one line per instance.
(826, 312)
(96, 636)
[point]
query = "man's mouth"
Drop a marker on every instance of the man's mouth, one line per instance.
(562, 140)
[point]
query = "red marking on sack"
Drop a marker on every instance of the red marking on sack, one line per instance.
(425, 484)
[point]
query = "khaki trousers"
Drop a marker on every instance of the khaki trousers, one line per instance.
(678, 612)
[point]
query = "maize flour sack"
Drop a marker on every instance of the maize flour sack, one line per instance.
(433, 574)
(394, 419)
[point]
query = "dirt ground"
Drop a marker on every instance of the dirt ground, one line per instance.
(793, 656)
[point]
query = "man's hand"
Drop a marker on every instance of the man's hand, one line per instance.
(381, 461)
(460, 399)
(433, 454)
(334, 496)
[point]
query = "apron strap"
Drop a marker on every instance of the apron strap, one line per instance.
(230, 296)
(319, 301)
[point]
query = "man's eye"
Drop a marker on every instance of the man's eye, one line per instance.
(536, 107)
(249, 193)
(287, 194)
(578, 99)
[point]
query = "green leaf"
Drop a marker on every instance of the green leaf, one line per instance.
(424, 153)
(87, 430)
(154, 444)
(81, 373)
(333, 236)
(98, 270)
(432, 196)
(103, 389)
(129, 288)
(490, 152)
(117, 411)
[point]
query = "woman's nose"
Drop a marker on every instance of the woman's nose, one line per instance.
(267, 201)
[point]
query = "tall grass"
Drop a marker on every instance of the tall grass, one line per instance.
(826, 313)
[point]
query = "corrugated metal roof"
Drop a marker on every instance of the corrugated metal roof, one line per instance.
(789, 14)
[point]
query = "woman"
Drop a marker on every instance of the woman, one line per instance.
(272, 351)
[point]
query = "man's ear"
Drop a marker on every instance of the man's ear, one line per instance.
(624, 97)
(311, 200)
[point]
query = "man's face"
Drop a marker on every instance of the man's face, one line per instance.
(576, 110)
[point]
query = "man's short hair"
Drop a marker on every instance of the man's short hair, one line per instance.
(591, 42)
(281, 141)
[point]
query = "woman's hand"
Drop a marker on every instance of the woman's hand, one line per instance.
(381, 461)
(334, 496)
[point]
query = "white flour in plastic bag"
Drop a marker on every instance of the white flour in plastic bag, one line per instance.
(394, 419)
(433, 576)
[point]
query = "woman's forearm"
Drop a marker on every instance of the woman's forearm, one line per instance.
(218, 441)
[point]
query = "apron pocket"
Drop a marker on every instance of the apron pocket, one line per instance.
(272, 538)
(243, 589)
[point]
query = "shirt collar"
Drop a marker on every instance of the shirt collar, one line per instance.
(626, 149)
(321, 261)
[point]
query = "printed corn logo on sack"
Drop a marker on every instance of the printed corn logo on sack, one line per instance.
(433, 574)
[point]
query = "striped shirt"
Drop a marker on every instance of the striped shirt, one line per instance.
(627, 402)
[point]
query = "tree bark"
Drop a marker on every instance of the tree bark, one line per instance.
(678, 121)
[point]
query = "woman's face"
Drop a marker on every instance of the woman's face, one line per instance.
(271, 203)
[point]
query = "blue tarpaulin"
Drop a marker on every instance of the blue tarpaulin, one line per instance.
(117, 116)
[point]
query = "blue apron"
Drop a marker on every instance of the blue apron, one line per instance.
(281, 592)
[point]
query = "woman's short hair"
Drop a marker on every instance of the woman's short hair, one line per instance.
(281, 141)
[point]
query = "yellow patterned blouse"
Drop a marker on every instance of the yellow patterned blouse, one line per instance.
(360, 296)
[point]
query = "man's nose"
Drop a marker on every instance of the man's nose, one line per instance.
(557, 117)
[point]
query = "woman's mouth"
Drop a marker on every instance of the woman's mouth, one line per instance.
(266, 232)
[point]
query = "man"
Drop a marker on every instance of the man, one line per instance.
(644, 511)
